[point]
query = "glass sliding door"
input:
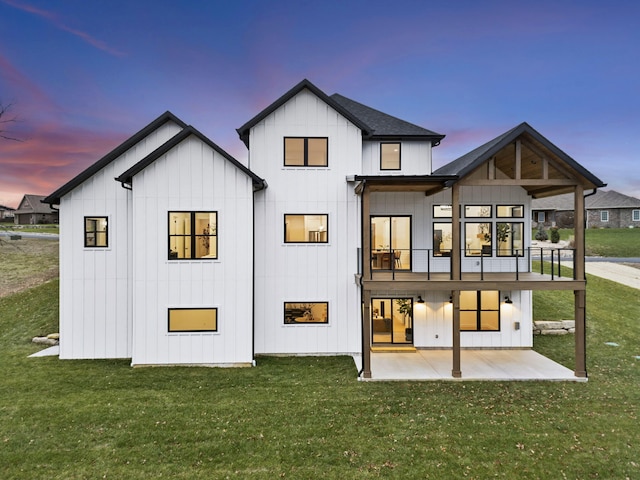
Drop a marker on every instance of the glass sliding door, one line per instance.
(392, 320)
(391, 242)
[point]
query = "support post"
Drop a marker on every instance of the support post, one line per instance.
(581, 333)
(366, 334)
(456, 371)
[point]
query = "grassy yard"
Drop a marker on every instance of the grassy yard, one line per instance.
(26, 262)
(309, 417)
(606, 242)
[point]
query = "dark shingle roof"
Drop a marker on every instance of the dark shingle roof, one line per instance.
(470, 161)
(127, 176)
(382, 124)
(54, 198)
(601, 199)
(36, 204)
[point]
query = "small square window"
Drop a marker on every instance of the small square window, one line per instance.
(96, 232)
(193, 235)
(389, 156)
(604, 216)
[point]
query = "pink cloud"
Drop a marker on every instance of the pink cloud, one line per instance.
(51, 157)
(57, 22)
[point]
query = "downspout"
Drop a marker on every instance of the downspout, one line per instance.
(361, 268)
(586, 219)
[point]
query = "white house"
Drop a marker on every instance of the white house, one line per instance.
(351, 248)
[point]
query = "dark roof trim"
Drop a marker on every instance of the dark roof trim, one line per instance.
(404, 179)
(244, 130)
(54, 198)
(470, 161)
(127, 177)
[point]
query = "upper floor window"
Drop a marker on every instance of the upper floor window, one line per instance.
(635, 215)
(510, 211)
(95, 232)
(193, 235)
(390, 156)
(306, 152)
(306, 228)
(604, 216)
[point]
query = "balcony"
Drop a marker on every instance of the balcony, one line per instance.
(531, 268)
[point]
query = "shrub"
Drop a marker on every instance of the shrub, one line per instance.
(555, 234)
(541, 234)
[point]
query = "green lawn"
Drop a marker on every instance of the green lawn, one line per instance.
(309, 417)
(606, 242)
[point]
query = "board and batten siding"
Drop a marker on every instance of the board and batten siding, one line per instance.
(306, 272)
(415, 158)
(192, 177)
(95, 287)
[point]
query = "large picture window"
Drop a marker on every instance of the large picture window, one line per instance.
(193, 235)
(480, 311)
(509, 237)
(442, 239)
(306, 228)
(391, 242)
(389, 156)
(477, 239)
(193, 320)
(96, 232)
(306, 312)
(305, 152)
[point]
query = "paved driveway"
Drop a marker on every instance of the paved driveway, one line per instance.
(617, 272)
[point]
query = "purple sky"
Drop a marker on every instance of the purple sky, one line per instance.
(84, 75)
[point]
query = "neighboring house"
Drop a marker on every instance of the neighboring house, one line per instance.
(604, 209)
(352, 245)
(31, 211)
(6, 213)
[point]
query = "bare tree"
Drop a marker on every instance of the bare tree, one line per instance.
(6, 119)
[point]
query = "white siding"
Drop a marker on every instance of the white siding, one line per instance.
(306, 272)
(192, 177)
(95, 290)
(415, 158)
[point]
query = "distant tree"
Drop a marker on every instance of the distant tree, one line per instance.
(5, 119)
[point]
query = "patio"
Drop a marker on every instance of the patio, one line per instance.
(489, 365)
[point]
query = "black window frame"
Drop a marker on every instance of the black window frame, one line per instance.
(513, 252)
(326, 231)
(305, 152)
(169, 310)
(288, 320)
(479, 205)
(399, 144)
(96, 232)
(471, 252)
(192, 234)
(479, 311)
(512, 205)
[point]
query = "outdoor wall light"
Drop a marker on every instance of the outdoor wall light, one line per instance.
(507, 300)
(450, 298)
(420, 300)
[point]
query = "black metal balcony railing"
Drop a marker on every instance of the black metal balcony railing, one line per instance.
(547, 261)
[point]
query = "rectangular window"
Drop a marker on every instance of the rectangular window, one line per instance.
(604, 216)
(193, 235)
(193, 320)
(477, 239)
(480, 311)
(389, 156)
(306, 312)
(442, 238)
(95, 232)
(306, 228)
(305, 152)
(477, 211)
(635, 215)
(541, 216)
(442, 211)
(510, 211)
(509, 237)
(391, 243)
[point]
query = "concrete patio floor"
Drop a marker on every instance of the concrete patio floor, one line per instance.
(491, 365)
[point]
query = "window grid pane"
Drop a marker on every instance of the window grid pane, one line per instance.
(193, 235)
(95, 232)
